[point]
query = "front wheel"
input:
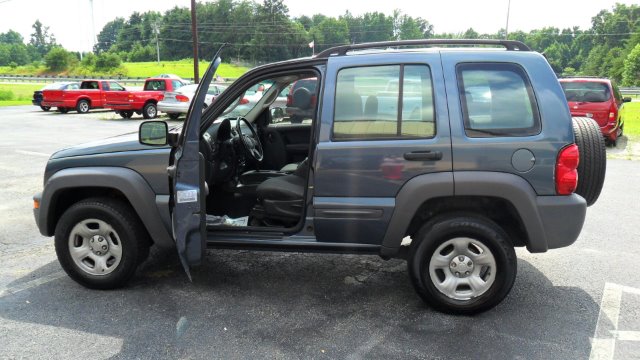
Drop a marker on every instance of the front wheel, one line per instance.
(462, 264)
(45, 108)
(100, 242)
(150, 111)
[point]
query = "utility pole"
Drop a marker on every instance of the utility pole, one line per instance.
(156, 30)
(506, 29)
(194, 35)
(93, 27)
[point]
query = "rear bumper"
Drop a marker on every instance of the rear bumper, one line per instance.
(173, 108)
(562, 218)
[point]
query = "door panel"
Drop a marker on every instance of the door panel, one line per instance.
(188, 179)
(377, 140)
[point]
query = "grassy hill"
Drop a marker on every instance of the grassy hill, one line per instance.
(182, 68)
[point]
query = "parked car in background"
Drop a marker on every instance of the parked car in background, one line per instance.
(37, 95)
(301, 99)
(599, 99)
(143, 101)
(176, 103)
(92, 94)
(172, 76)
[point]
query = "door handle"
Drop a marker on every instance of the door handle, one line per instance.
(423, 155)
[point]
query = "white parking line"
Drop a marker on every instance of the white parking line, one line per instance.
(26, 152)
(604, 342)
(30, 284)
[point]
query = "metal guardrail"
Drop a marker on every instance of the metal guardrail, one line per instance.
(44, 79)
(635, 91)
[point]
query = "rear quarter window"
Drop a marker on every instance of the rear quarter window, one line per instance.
(497, 100)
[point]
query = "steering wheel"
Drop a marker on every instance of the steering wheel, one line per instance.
(250, 144)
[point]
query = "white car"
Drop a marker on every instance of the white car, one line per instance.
(176, 103)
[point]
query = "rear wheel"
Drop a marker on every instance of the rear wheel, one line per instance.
(593, 158)
(100, 242)
(45, 108)
(174, 116)
(149, 111)
(83, 106)
(126, 114)
(462, 264)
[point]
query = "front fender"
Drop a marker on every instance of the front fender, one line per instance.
(153, 213)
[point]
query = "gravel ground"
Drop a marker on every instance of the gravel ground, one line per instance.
(570, 303)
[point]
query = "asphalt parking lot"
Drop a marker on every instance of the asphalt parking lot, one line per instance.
(574, 303)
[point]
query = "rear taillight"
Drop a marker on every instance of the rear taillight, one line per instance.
(161, 97)
(182, 98)
(567, 170)
(613, 113)
(243, 101)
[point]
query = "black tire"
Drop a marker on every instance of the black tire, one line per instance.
(149, 111)
(445, 228)
(126, 114)
(132, 237)
(593, 158)
(63, 110)
(83, 106)
(174, 116)
(45, 108)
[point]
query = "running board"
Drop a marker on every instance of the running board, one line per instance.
(295, 246)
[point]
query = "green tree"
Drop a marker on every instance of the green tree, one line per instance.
(11, 37)
(107, 61)
(41, 39)
(631, 72)
(109, 35)
(330, 32)
(58, 59)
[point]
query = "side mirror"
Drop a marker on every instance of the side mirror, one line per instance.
(153, 133)
(124, 89)
(626, 99)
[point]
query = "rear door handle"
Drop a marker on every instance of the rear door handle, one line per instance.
(423, 155)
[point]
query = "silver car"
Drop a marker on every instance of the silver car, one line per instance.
(176, 103)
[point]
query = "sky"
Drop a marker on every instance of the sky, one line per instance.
(70, 20)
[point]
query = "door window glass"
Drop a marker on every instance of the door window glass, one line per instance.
(384, 102)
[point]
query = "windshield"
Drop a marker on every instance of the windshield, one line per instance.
(585, 91)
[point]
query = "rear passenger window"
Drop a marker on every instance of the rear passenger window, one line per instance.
(384, 102)
(497, 100)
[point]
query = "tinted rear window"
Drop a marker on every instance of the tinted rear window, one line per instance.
(584, 91)
(88, 85)
(155, 85)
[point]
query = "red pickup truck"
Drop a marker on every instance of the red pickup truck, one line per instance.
(92, 94)
(142, 102)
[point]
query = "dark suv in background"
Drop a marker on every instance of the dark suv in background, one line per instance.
(599, 99)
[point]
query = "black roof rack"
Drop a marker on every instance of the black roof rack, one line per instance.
(341, 50)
